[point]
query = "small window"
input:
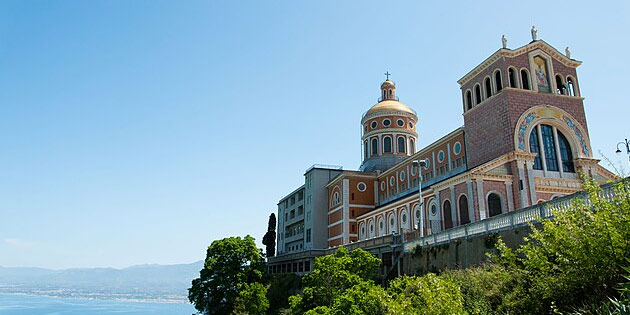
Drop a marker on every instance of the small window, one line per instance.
(441, 156)
(457, 148)
(383, 186)
(512, 78)
(433, 209)
(373, 125)
(525, 79)
(488, 87)
(404, 218)
(361, 186)
(387, 122)
(560, 88)
(402, 175)
(410, 125)
(498, 82)
(392, 181)
(400, 122)
(468, 100)
(571, 87)
(477, 94)
(426, 167)
(412, 146)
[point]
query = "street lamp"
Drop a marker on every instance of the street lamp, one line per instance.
(419, 164)
(627, 144)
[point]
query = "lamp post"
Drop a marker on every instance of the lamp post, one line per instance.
(419, 164)
(627, 144)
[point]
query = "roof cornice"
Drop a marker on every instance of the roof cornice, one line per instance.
(510, 53)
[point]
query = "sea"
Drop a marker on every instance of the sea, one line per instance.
(43, 305)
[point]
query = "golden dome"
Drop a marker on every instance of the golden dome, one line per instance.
(387, 83)
(390, 105)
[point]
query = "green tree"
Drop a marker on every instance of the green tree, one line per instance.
(332, 275)
(578, 255)
(252, 300)
(231, 264)
(429, 294)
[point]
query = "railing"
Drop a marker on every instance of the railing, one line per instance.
(504, 221)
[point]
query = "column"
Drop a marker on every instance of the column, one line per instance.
(522, 183)
(481, 199)
(454, 213)
(558, 154)
(471, 201)
(346, 211)
(508, 192)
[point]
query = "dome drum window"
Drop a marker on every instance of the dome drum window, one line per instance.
(400, 123)
(387, 145)
(373, 125)
(387, 122)
(401, 145)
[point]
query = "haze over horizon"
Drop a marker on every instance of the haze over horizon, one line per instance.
(139, 132)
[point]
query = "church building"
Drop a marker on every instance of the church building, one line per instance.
(524, 140)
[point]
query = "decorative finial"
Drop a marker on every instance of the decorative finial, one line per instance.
(504, 41)
(567, 52)
(387, 74)
(534, 33)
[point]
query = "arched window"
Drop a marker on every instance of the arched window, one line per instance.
(335, 199)
(468, 100)
(401, 145)
(365, 150)
(390, 93)
(525, 79)
(565, 154)
(494, 204)
(571, 87)
(477, 94)
(487, 87)
(374, 146)
(463, 210)
(412, 146)
(387, 145)
(560, 88)
(547, 148)
(384, 94)
(497, 81)
(381, 226)
(448, 218)
(512, 77)
(551, 158)
(392, 223)
(404, 220)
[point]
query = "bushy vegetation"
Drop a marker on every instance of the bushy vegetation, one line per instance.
(572, 264)
(576, 263)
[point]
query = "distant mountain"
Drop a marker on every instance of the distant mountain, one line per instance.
(150, 281)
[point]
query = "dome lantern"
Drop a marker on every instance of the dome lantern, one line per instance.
(388, 89)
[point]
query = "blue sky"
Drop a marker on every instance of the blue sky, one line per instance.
(139, 131)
